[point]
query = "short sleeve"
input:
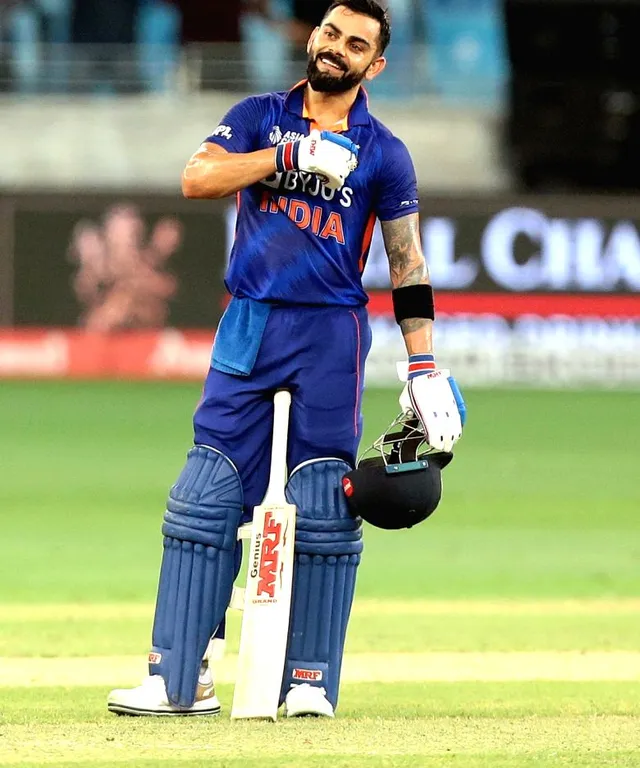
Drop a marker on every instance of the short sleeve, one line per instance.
(397, 183)
(239, 129)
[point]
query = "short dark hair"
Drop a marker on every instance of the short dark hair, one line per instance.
(368, 8)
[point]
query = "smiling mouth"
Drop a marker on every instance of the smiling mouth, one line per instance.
(331, 63)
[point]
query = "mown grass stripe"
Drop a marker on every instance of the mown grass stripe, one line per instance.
(22, 612)
(358, 668)
(218, 740)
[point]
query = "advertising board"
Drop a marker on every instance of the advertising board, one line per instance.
(527, 288)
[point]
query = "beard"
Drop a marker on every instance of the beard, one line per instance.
(327, 82)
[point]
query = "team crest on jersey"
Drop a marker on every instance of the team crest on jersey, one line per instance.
(277, 137)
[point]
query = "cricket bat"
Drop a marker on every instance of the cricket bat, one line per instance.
(267, 598)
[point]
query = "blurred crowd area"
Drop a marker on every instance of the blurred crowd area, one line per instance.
(164, 46)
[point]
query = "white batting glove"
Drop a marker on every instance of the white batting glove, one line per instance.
(326, 154)
(434, 398)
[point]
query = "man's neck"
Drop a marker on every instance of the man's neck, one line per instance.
(329, 109)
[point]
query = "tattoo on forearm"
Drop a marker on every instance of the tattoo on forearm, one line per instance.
(413, 324)
(407, 266)
(414, 276)
(402, 243)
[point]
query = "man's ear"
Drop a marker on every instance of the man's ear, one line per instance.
(312, 37)
(376, 67)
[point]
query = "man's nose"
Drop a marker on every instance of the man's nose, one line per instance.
(339, 50)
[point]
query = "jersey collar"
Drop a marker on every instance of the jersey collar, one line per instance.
(358, 115)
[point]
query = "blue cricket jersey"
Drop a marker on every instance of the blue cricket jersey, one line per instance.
(298, 242)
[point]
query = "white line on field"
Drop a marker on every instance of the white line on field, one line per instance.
(110, 671)
(23, 612)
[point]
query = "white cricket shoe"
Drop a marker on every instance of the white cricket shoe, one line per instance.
(305, 699)
(150, 698)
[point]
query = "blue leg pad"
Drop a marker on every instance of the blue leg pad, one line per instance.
(197, 572)
(327, 554)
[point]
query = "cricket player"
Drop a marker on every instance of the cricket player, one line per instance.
(312, 170)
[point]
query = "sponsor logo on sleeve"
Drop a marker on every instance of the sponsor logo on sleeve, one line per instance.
(224, 131)
(155, 658)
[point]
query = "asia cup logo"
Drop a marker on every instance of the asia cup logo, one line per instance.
(278, 137)
(275, 137)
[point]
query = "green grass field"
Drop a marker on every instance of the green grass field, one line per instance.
(502, 632)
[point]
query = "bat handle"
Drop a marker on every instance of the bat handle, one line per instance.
(278, 472)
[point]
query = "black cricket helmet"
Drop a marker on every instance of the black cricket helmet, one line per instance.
(397, 482)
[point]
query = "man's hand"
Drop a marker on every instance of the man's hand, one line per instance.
(326, 154)
(434, 397)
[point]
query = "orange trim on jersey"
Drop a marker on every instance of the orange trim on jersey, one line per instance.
(366, 240)
(339, 127)
(298, 84)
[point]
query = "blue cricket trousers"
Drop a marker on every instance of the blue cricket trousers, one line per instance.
(318, 353)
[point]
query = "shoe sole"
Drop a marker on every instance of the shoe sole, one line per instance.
(306, 713)
(119, 709)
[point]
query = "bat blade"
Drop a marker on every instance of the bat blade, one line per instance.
(265, 622)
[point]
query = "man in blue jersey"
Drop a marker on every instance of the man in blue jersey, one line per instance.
(312, 170)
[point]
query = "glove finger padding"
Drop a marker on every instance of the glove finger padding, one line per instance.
(323, 154)
(434, 403)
